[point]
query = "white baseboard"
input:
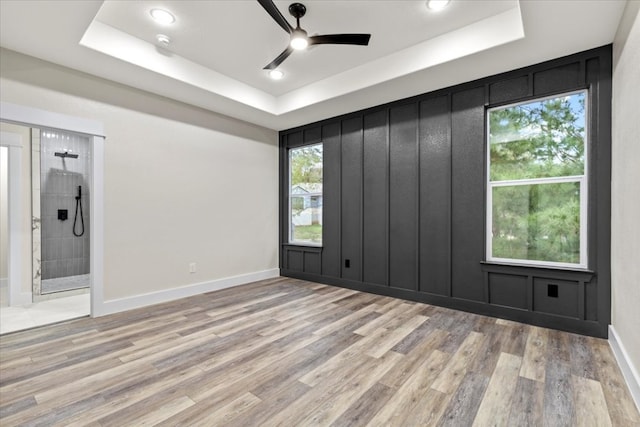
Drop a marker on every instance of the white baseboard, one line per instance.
(138, 301)
(629, 371)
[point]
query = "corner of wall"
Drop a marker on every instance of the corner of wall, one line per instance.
(629, 372)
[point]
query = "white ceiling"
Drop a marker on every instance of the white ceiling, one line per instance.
(219, 48)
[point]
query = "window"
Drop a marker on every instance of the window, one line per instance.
(305, 195)
(537, 182)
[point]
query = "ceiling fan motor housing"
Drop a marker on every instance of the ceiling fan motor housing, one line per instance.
(297, 10)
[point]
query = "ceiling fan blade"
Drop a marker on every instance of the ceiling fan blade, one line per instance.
(272, 10)
(357, 39)
(280, 59)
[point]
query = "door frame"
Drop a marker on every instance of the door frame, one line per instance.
(35, 117)
(13, 143)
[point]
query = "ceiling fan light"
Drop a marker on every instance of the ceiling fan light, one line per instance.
(276, 74)
(299, 40)
(436, 5)
(299, 43)
(162, 16)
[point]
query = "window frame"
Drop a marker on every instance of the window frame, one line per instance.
(290, 240)
(582, 180)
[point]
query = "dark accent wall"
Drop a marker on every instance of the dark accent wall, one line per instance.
(404, 201)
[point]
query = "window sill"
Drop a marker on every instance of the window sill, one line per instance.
(303, 246)
(495, 266)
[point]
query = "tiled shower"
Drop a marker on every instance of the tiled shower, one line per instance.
(64, 211)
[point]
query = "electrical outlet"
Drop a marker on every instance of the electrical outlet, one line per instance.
(192, 267)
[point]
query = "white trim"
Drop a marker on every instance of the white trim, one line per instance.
(537, 181)
(42, 118)
(543, 98)
(137, 301)
(96, 226)
(290, 239)
(13, 142)
(629, 372)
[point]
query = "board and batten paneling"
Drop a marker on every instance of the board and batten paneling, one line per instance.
(331, 200)
(403, 184)
(467, 193)
(405, 203)
(435, 196)
(375, 202)
(351, 196)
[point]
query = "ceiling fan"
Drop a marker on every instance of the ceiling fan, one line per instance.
(299, 38)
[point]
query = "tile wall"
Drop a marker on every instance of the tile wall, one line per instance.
(63, 253)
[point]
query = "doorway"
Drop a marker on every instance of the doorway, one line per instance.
(23, 304)
(61, 183)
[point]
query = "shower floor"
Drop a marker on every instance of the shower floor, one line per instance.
(61, 284)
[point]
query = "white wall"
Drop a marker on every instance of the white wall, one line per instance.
(625, 219)
(182, 184)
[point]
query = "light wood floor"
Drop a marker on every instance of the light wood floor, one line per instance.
(294, 353)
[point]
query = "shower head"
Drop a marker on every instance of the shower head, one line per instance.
(66, 154)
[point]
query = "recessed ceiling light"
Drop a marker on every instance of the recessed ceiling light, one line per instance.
(436, 5)
(162, 16)
(276, 74)
(164, 40)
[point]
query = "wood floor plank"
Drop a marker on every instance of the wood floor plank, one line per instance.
(35, 384)
(488, 354)
(454, 372)
(327, 392)
(558, 395)
(287, 352)
(527, 403)
(464, 404)
(514, 337)
(534, 360)
(408, 396)
(278, 400)
(591, 405)
(338, 400)
(136, 389)
(65, 392)
(583, 363)
(493, 409)
(389, 316)
(223, 378)
(347, 320)
(400, 373)
(415, 338)
(396, 335)
(226, 413)
(342, 361)
(429, 409)
(459, 328)
(558, 346)
(362, 410)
